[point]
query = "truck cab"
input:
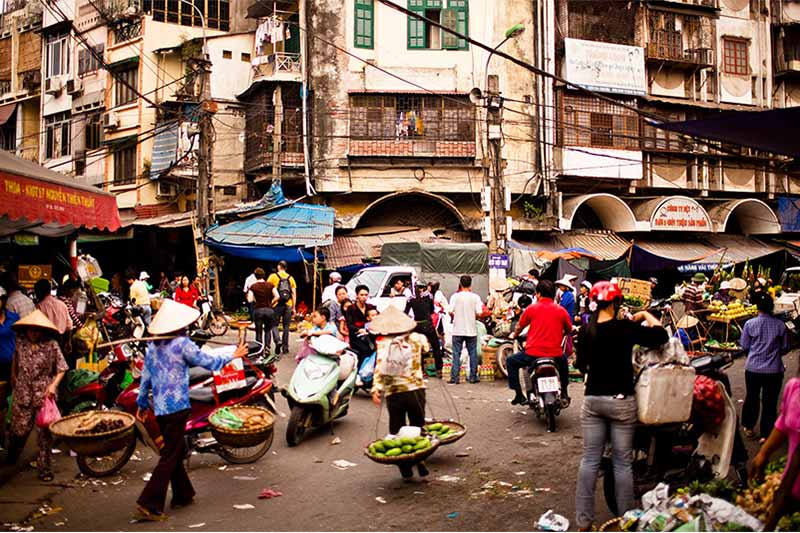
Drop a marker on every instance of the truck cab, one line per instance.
(789, 300)
(380, 280)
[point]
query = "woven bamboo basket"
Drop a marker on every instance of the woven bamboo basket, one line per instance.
(458, 431)
(96, 444)
(615, 524)
(409, 459)
(244, 438)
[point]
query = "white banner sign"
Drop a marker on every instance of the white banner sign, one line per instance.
(606, 67)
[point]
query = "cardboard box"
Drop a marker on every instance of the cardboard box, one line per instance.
(230, 377)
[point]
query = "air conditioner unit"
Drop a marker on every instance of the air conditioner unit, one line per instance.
(74, 86)
(110, 121)
(165, 189)
(53, 86)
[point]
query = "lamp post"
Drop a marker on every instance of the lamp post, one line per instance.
(494, 119)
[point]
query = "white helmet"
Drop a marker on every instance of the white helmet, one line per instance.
(144, 275)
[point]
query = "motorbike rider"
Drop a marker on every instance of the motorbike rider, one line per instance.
(549, 323)
(605, 347)
(166, 375)
(356, 317)
(421, 305)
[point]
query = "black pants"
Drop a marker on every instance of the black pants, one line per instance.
(402, 405)
(170, 467)
(425, 327)
(264, 319)
(763, 393)
(283, 316)
(523, 360)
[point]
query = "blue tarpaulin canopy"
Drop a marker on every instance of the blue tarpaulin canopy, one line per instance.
(286, 232)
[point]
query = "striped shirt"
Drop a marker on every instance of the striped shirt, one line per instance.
(765, 339)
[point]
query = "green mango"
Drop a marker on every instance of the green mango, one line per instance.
(394, 452)
(421, 445)
(380, 454)
(391, 443)
(371, 449)
(379, 447)
(406, 440)
(407, 448)
(434, 427)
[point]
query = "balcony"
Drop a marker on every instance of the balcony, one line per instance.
(705, 5)
(5, 86)
(278, 66)
(670, 52)
(787, 68)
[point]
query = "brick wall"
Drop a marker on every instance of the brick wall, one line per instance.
(412, 148)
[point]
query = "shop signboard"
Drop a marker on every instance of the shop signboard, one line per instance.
(498, 261)
(680, 214)
(28, 275)
(606, 67)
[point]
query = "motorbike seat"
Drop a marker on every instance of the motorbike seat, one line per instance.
(198, 374)
(206, 394)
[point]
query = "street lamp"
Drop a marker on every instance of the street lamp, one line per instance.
(511, 33)
(203, 23)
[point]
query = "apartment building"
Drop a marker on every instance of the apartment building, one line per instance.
(658, 62)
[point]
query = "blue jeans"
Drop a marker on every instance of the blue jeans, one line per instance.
(472, 350)
(601, 416)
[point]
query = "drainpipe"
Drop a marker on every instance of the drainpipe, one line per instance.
(304, 97)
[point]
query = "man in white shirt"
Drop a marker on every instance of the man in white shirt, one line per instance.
(329, 294)
(465, 306)
(248, 281)
(139, 296)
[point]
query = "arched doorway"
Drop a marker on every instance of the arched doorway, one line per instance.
(412, 208)
(597, 211)
(747, 217)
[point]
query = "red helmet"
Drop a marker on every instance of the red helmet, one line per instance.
(605, 291)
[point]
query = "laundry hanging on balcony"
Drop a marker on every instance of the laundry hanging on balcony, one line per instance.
(271, 30)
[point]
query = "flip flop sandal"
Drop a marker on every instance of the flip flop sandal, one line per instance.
(145, 515)
(46, 476)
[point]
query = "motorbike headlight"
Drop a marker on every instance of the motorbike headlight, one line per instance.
(313, 371)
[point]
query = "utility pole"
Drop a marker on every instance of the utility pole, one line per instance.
(494, 121)
(204, 198)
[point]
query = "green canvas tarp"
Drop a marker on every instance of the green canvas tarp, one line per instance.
(455, 258)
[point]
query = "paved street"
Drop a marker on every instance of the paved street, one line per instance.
(507, 449)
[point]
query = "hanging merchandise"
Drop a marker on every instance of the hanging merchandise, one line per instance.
(278, 30)
(263, 32)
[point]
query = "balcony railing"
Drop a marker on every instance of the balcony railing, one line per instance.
(670, 51)
(704, 4)
(126, 30)
(278, 63)
(5, 86)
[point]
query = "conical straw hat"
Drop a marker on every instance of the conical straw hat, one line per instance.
(738, 284)
(392, 322)
(36, 319)
(687, 321)
(172, 316)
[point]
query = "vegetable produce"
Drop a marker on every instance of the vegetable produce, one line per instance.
(101, 427)
(733, 311)
(632, 301)
(789, 523)
(757, 500)
(398, 447)
(225, 418)
(440, 430)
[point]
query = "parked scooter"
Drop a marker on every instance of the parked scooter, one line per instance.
(315, 394)
(680, 453)
(541, 385)
(204, 400)
(211, 319)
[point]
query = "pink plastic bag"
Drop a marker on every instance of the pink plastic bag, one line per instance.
(48, 413)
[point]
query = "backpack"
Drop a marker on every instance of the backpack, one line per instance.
(284, 289)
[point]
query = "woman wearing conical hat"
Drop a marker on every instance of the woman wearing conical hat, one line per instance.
(38, 368)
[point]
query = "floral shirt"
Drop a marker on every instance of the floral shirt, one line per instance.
(398, 365)
(166, 373)
(37, 365)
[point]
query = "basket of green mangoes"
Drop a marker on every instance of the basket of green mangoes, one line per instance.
(398, 450)
(446, 431)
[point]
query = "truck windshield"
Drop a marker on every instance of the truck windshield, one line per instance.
(370, 277)
(791, 281)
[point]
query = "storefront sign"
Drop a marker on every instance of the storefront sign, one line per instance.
(680, 214)
(606, 67)
(29, 274)
(498, 261)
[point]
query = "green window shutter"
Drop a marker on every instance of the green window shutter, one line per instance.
(365, 24)
(416, 27)
(450, 21)
(462, 23)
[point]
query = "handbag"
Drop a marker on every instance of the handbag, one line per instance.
(48, 413)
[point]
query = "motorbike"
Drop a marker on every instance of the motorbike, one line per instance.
(315, 394)
(541, 385)
(679, 453)
(120, 321)
(204, 400)
(211, 319)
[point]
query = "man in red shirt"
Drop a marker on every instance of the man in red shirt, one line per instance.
(549, 323)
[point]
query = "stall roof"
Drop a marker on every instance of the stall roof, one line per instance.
(348, 250)
(605, 245)
(296, 225)
(39, 200)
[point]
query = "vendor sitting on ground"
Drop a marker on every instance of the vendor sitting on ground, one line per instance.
(724, 293)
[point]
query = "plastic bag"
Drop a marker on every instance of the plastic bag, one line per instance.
(671, 352)
(48, 413)
(367, 368)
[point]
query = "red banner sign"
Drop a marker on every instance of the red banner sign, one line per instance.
(47, 202)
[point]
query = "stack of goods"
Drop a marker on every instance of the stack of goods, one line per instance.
(447, 367)
(446, 431)
(708, 407)
(239, 419)
(733, 311)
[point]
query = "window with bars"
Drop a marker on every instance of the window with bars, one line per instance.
(422, 35)
(215, 12)
(57, 135)
(661, 140)
(588, 121)
(365, 24)
(734, 56)
(88, 62)
(124, 163)
(93, 136)
(395, 117)
(125, 81)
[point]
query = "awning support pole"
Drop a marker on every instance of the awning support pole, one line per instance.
(73, 253)
(314, 292)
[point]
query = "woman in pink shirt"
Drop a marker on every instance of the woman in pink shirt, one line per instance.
(786, 427)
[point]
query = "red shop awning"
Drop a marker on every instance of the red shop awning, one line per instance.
(39, 195)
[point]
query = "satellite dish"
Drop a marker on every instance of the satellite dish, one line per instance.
(476, 96)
